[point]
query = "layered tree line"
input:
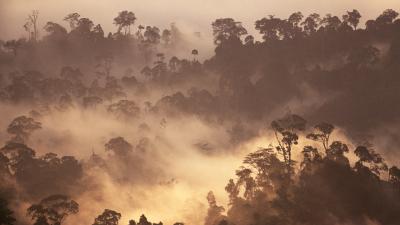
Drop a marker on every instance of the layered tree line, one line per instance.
(322, 187)
(352, 68)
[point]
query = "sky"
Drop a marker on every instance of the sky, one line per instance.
(192, 15)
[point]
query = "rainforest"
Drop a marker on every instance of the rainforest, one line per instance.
(284, 120)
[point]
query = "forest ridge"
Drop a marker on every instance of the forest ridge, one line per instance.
(307, 80)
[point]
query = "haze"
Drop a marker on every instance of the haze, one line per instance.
(193, 15)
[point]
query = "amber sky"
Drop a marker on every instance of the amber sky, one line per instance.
(195, 15)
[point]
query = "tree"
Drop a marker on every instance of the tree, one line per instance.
(31, 25)
(336, 151)
(214, 211)
(331, 23)
(352, 18)
(371, 160)
(195, 52)
(294, 29)
(166, 37)
(72, 19)
(284, 130)
(55, 31)
(387, 17)
(322, 134)
(124, 21)
(98, 33)
(143, 220)
(270, 28)
(18, 156)
(83, 28)
(310, 156)
(139, 33)
(124, 109)
(108, 217)
(295, 19)
(227, 28)
(53, 210)
(152, 35)
(270, 171)
(6, 215)
(311, 23)
(119, 146)
(233, 191)
(22, 127)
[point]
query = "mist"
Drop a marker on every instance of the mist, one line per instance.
(199, 112)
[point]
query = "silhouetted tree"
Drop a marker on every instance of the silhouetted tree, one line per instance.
(108, 217)
(53, 210)
(214, 211)
(72, 19)
(152, 35)
(311, 23)
(119, 146)
(352, 18)
(331, 23)
(336, 151)
(286, 137)
(227, 28)
(143, 220)
(166, 37)
(370, 162)
(195, 52)
(31, 26)
(124, 109)
(125, 20)
(22, 127)
(270, 28)
(322, 134)
(55, 31)
(387, 17)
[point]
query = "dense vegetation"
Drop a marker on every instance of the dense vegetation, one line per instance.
(324, 68)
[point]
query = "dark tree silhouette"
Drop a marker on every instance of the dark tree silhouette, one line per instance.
(227, 28)
(322, 134)
(31, 25)
(53, 210)
(352, 18)
(370, 163)
(311, 23)
(152, 35)
(72, 19)
(22, 127)
(124, 21)
(270, 28)
(124, 109)
(166, 37)
(108, 217)
(119, 146)
(286, 137)
(214, 215)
